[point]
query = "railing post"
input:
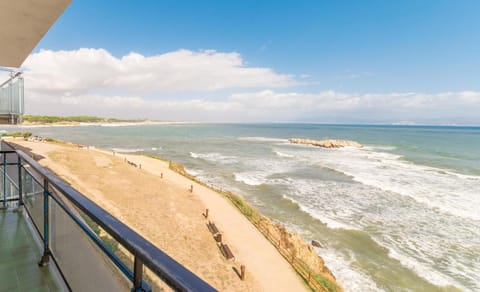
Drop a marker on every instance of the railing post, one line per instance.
(46, 237)
(4, 179)
(20, 182)
(137, 275)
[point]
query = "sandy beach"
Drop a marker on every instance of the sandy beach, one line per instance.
(161, 206)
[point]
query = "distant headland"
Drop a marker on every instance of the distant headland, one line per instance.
(75, 120)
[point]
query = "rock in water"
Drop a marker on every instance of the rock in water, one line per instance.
(331, 143)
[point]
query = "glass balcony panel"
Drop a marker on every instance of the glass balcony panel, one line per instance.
(11, 96)
(85, 266)
(33, 199)
(12, 191)
(11, 178)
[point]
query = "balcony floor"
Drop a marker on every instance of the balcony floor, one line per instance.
(19, 255)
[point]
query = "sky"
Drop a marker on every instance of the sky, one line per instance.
(372, 61)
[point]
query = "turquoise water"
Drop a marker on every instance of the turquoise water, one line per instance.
(402, 213)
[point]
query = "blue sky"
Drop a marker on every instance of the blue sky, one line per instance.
(354, 48)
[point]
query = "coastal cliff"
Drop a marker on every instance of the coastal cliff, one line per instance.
(330, 143)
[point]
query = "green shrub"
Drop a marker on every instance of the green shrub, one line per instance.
(110, 243)
(324, 283)
(94, 226)
(17, 134)
(158, 157)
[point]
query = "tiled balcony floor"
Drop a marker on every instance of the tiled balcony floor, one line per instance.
(19, 255)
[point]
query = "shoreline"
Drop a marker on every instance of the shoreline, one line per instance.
(288, 244)
(293, 247)
(105, 124)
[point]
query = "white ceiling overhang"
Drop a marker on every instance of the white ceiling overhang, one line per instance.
(23, 23)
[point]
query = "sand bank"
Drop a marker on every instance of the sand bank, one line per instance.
(158, 203)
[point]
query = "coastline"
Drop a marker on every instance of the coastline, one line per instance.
(335, 196)
(27, 124)
(240, 229)
(295, 249)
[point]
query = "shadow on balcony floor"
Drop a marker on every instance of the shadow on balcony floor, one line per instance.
(19, 255)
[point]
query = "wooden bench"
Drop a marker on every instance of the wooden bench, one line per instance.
(227, 252)
(213, 229)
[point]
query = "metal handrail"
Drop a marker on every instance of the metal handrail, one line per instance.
(170, 271)
(11, 78)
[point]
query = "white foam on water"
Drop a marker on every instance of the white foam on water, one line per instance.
(215, 157)
(331, 223)
(427, 273)
(251, 178)
(414, 235)
(418, 232)
(193, 172)
(127, 150)
(260, 170)
(376, 147)
(448, 191)
(318, 214)
(282, 154)
(351, 279)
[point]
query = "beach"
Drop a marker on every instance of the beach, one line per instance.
(166, 208)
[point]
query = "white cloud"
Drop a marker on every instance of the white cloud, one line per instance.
(90, 70)
(268, 105)
(208, 85)
(331, 106)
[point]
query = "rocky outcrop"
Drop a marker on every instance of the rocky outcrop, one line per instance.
(331, 143)
(300, 255)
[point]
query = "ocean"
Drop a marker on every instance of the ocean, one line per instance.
(400, 214)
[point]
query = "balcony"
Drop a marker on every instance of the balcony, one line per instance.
(12, 99)
(53, 238)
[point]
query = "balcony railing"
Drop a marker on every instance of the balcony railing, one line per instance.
(12, 99)
(93, 250)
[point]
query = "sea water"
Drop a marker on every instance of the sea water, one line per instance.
(400, 214)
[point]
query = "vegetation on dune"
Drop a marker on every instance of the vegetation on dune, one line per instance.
(156, 157)
(51, 140)
(107, 240)
(17, 134)
(72, 119)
